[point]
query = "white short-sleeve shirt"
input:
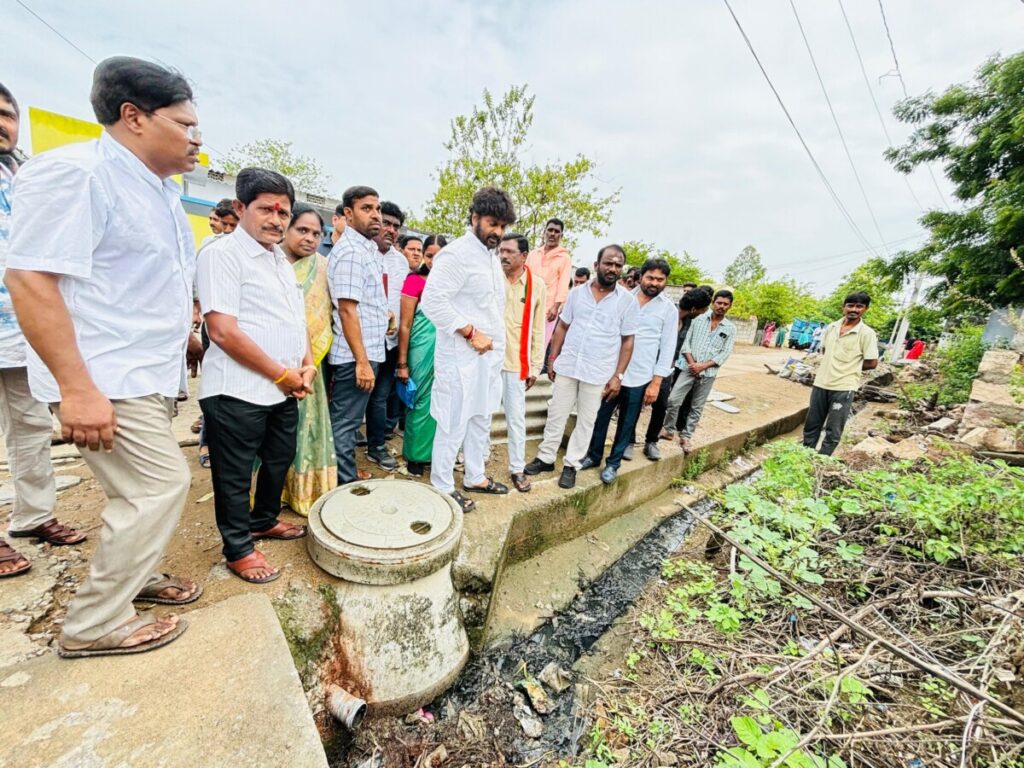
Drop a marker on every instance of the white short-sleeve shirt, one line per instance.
(117, 236)
(239, 277)
(590, 351)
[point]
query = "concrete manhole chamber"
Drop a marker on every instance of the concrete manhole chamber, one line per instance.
(400, 640)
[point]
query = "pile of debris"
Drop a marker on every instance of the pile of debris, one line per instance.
(873, 385)
(990, 424)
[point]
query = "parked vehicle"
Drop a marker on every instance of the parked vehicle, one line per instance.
(800, 333)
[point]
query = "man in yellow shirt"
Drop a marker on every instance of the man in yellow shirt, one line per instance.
(525, 295)
(849, 346)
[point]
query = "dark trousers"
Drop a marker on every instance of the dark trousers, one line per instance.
(828, 410)
(379, 407)
(348, 405)
(629, 401)
(660, 406)
(238, 433)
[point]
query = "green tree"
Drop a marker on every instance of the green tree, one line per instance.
(685, 268)
(306, 174)
(976, 130)
(747, 268)
(876, 278)
(488, 146)
(778, 300)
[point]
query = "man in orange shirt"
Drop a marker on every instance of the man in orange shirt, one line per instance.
(553, 264)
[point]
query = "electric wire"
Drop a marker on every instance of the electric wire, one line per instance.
(906, 95)
(839, 130)
(821, 174)
(63, 37)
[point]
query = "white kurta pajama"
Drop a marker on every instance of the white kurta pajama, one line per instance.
(466, 287)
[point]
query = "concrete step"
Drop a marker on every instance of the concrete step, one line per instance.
(224, 694)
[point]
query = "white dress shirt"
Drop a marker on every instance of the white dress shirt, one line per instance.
(12, 343)
(590, 351)
(117, 235)
(239, 277)
(396, 267)
(466, 287)
(655, 343)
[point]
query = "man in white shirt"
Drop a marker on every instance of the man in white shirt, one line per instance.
(651, 362)
(382, 410)
(355, 274)
(587, 360)
(258, 364)
(100, 270)
(337, 228)
(24, 421)
(465, 300)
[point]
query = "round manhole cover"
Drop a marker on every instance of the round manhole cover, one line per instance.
(386, 515)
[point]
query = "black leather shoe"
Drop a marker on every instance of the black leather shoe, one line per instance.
(537, 466)
(568, 478)
(587, 463)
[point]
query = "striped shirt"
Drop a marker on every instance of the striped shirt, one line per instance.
(705, 344)
(239, 277)
(355, 271)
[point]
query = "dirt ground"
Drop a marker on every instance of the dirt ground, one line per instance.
(33, 606)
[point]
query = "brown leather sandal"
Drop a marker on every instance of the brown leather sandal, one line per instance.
(51, 532)
(110, 643)
(253, 560)
(9, 554)
(151, 592)
(283, 531)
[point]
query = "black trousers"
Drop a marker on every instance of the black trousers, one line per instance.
(239, 433)
(829, 410)
(381, 410)
(660, 406)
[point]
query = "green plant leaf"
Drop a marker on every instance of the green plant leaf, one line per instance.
(746, 729)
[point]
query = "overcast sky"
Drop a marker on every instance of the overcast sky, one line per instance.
(664, 96)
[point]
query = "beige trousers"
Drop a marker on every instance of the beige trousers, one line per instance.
(566, 394)
(27, 427)
(146, 481)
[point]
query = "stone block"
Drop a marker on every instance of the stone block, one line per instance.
(991, 439)
(911, 449)
(945, 425)
(997, 365)
(869, 449)
(992, 414)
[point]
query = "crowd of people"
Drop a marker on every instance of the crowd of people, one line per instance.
(311, 344)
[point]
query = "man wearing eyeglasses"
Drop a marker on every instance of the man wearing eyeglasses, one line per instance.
(100, 271)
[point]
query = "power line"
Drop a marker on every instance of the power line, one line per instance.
(803, 143)
(839, 256)
(839, 130)
(56, 31)
(903, 85)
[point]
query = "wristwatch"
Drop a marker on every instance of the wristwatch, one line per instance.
(621, 376)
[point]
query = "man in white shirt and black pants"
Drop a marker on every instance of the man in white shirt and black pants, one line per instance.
(587, 360)
(258, 364)
(100, 270)
(653, 350)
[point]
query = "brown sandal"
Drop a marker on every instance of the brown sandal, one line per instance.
(110, 643)
(9, 554)
(51, 532)
(151, 593)
(283, 531)
(253, 560)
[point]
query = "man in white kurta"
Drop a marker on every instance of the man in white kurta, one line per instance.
(465, 300)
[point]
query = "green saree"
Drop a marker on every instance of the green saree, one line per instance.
(420, 426)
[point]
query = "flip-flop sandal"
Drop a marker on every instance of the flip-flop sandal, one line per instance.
(204, 460)
(110, 643)
(51, 532)
(9, 554)
(282, 531)
(491, 487)
(151, 593)
(254, 559)
(468, 505)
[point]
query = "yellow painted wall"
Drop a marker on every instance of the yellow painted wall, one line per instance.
(200, 227)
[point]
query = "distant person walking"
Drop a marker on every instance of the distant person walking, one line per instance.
(100, 271)
(849, 346)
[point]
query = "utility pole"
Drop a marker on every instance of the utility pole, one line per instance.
(896, 350)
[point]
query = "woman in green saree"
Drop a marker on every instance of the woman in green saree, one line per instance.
(416, 362)
(314, 469)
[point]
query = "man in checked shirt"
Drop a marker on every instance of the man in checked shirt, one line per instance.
(707, 346)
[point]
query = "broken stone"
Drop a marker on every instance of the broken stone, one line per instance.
(997, 402)
(870, 448)
(944, 425)
(909, 449)
(991, 439)
(997, 365)
(554, 677)
(538, 699)
(530, 723)
(436, 758)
